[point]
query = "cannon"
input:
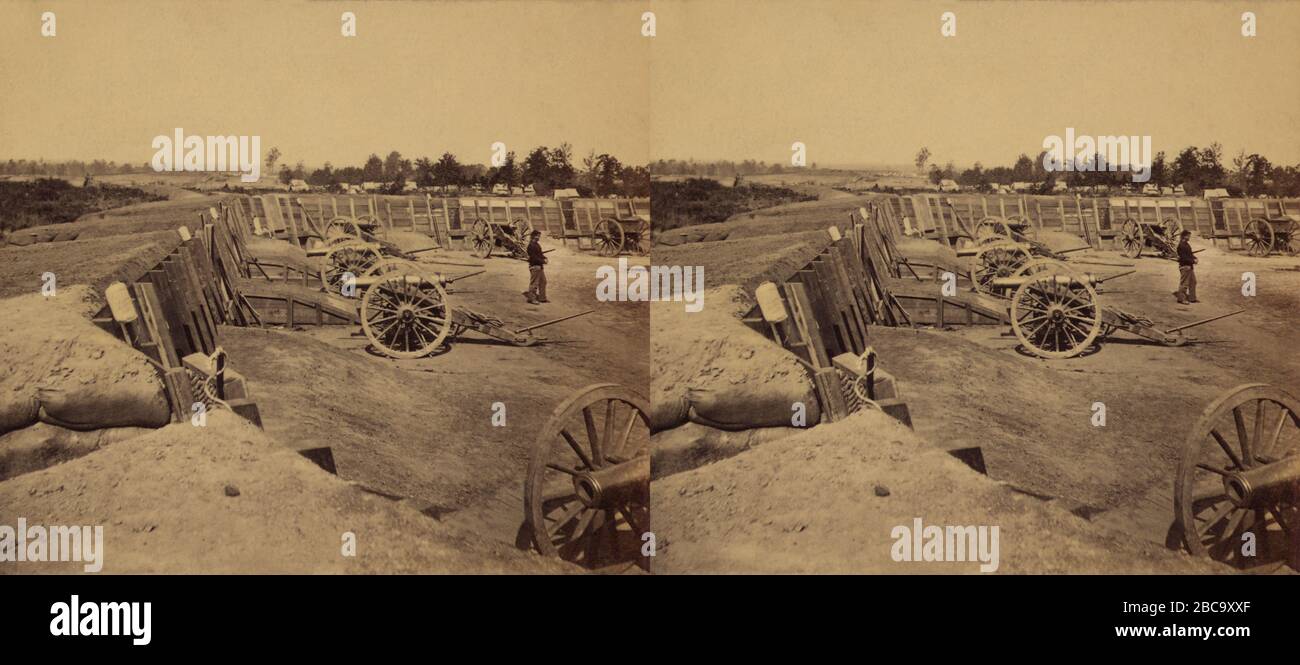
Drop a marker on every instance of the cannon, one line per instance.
(1263, 235)
(1238, 474)
(993, 230)
(587, 492)
(405, 312)
(512, 238)
(996, 260)
(1137, 237)
(612, 235)
(1054, 312)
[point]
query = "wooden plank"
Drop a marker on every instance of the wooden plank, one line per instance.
(159, 332)
(801, 312)
(833, 405)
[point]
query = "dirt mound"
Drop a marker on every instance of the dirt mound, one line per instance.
(791, 218)
(225, 498)
(128, 220)
(96, 262)
(64, 370)
(708, 367)
(747, 262)
(811, 503)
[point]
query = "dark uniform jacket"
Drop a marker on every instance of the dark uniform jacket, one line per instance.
(1185, 255)
(535, 255)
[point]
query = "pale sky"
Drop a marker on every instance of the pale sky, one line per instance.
(419, 77)
(857, 82)
(870, 82)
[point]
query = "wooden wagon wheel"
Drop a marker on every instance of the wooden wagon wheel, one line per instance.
(522, 230)
(994, 261)
(992, 229)
(641, 238)
(586, 496)
(1054, 314)
(342, 227)
(1258, 237)
(1132, 239)
(483, 238)
(406, 313)
(353, 258)
(1239, 473)
(1283, 238)
(607, 238)
(1172, 230)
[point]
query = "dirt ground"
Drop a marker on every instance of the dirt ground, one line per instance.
(811, 503)
(422, 428)
(227, 498)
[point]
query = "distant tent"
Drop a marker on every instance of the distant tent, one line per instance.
(1216, 193)
(566, 193)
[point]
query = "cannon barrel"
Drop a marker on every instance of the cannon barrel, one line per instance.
(616, 485)
(1061, 278)
(1264, 485)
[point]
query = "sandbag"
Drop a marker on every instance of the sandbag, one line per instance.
(62, 369)
(763, 403)
(709, 368)
(668, 411)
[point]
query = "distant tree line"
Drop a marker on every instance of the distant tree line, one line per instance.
(1196, 169)
(722, 168)
(70, 168)
(546, 169)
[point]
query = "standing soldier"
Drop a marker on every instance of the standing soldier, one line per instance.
(536, 292)
(1186, 292)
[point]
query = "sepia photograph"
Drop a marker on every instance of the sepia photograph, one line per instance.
(307, 288)
(990, 287)
(358, 303)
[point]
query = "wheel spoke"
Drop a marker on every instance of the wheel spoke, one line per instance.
(1242, 437)
(577, 449)
(561, 469)
(1232, 454)
(610, 426)
(1259, 427)
(592, 437)
(1215, 519)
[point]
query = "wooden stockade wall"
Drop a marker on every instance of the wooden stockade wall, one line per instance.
(181, 302)
(446, 220)
(831, 301)
(1095, 220)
